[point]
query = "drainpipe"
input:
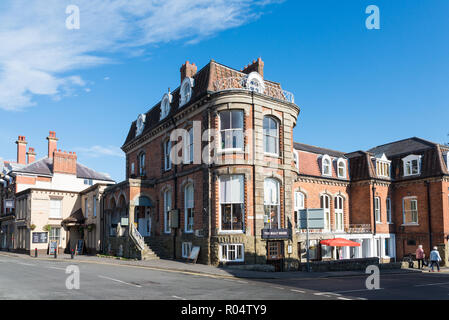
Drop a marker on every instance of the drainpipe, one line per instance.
(254, 180)
(429, 214)
(175, 198)
(374, 214)
(209, 201)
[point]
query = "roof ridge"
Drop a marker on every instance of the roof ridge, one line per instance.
(310, 145)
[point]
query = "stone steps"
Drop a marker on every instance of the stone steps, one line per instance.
(156, 246)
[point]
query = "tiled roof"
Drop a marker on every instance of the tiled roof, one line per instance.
(318, 150)
(204, 81)
(44, 166)
(406, 146)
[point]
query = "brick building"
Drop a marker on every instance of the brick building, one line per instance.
(213, 165)
(45, 199)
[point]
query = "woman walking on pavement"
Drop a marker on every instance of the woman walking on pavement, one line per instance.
(420, 256)
(435, 259)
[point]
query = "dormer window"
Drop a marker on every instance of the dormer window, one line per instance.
(326, 169)
(165, 105)
(412, 165)
(186, 91)
(254, 82)
(341, 166)
(446, 159)
(383, 166)
(140, 124)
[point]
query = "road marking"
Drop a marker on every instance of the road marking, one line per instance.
(359, 290)
(295, 290)
(57, 268)
(280, 288)
(120, 281)
(26, 264)
(431, 284)
(240, 281)
(342, 298)
(176, 297)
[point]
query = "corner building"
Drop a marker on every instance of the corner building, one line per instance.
(232, 178)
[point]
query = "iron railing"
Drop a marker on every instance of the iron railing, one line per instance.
(137, 237)
(268, 88)
(358, 228)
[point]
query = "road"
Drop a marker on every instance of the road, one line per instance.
(22, 278)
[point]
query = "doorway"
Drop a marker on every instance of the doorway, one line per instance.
(275, 254)
(144, 221)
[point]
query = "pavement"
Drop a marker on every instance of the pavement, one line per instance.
(25, 277)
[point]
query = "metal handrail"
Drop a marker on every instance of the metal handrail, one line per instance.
(137, 237)
(269, 89)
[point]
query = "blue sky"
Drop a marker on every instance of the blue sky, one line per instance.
(357, 88)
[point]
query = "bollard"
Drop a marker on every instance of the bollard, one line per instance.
(72, 253)
(35, 252)
(56, 253)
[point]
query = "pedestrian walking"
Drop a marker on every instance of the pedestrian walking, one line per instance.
(435, 259)
(420, 256)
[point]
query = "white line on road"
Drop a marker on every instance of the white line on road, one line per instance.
(359, 290)
(116, 280)
(280, 288)
(57, 268)
(431, 284)
(300, 291)
(26, 264)
(342, 298)
(176, 297)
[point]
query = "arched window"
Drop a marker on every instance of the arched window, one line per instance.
(271, 135)
(231, 129)
(254, 82)
(326, 166)
(272, 216)
(165, 105)
(142, 164)
(189, 208)
(325, 204)
(339, 214)
(299, 205)
(186, 91)
(341, 164)
(167, 208)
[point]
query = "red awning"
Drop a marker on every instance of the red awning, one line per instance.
(340, 242)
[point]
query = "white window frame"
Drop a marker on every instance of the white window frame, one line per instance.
(186, 249)
(255, 82)
(242, 203)
(408, 165)
(232, 130)
(323, 166)
(86, 207)
(269, 201)
(186, 91)
(53, 237)
(327, 211)
(339, 213)
(415, 199)
(167, 157)
(189, 146)
(51, 215)
(165, 105)
(388, 208)
(234, 247)
(377, 210)
(341, 162)
(266, 135)
(188, 206)
(168, 202)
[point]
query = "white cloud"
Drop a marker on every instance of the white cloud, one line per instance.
(39, 55)
(100, 151)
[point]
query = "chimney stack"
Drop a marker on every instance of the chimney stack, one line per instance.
(31, 155)
(64, 162)
(52, 143)
(188, 70)
(257, 66)
(21, 150)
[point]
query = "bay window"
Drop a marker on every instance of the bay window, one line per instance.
(271, 204)
(271, 135)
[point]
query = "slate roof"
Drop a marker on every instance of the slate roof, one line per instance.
(318, 150)
(76, 217)
(406, 146)
(44, 166)
(204, 81)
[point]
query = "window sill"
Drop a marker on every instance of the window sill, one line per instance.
(272, 155)
(410, 225)
(224, 232)
(230, 151)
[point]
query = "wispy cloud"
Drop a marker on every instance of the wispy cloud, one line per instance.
(40, 56)
(100, 151)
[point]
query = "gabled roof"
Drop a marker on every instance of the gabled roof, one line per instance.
(406, 146)
(44, 167)
(318, 150)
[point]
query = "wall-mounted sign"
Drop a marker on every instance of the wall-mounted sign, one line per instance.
(275, 234)
(40, 237)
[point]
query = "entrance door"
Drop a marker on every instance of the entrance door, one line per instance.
(275, 254)
(145, 223)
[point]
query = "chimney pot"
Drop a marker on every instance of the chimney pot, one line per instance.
(188, 70)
